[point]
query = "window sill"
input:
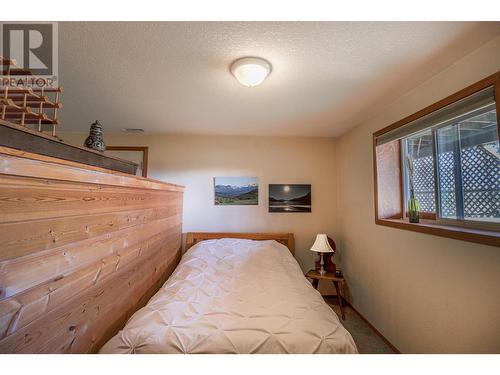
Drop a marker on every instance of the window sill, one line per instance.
(480, 236)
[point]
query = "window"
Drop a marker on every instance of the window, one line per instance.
(467, 168)
(448, 157)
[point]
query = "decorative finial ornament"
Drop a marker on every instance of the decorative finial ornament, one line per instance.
(95, 140)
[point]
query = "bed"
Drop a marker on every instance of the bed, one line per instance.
(235, 293)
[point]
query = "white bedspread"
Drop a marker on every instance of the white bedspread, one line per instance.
(235, 296)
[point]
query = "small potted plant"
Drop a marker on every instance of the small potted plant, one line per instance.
(413, 205)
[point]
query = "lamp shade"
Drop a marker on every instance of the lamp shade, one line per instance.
(321, 244)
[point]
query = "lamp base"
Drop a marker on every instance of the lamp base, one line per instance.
(329, 265)
(322, 269)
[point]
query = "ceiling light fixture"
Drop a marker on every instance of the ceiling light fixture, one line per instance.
(251, 71)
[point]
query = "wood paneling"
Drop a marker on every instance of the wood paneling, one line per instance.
(26, 164)
(24, 202)
(20, 137)
(55, 232)
(81, 249)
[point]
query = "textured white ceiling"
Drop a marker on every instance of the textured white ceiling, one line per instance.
(173, 77)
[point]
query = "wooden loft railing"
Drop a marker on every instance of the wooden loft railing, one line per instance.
(27, 106)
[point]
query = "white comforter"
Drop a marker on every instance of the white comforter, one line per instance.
(235, 296)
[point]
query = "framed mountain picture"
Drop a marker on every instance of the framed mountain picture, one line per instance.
(236, 191)
(289, 198)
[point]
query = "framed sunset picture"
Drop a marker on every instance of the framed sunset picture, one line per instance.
(289, 198)
(236, 191)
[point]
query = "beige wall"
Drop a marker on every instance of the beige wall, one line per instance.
(424, 293)
(193, 161)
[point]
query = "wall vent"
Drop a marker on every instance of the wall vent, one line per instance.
(133, 130)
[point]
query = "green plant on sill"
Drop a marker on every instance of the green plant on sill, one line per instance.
(413, 205)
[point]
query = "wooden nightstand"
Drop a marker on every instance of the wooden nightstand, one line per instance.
(337, 282)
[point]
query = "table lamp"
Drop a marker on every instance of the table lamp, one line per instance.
(321, 246)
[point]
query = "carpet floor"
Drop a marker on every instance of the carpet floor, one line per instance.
(366, 339)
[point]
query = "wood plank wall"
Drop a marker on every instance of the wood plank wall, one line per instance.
(81, 249)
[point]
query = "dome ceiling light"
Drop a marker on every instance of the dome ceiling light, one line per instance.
(251, 71)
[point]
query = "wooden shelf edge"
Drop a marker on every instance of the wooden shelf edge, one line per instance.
(97, 175)
(479, 236)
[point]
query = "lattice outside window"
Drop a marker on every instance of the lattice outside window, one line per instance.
(467, 169)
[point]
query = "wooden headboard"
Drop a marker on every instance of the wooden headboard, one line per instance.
(286, 239)
(81, 249)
